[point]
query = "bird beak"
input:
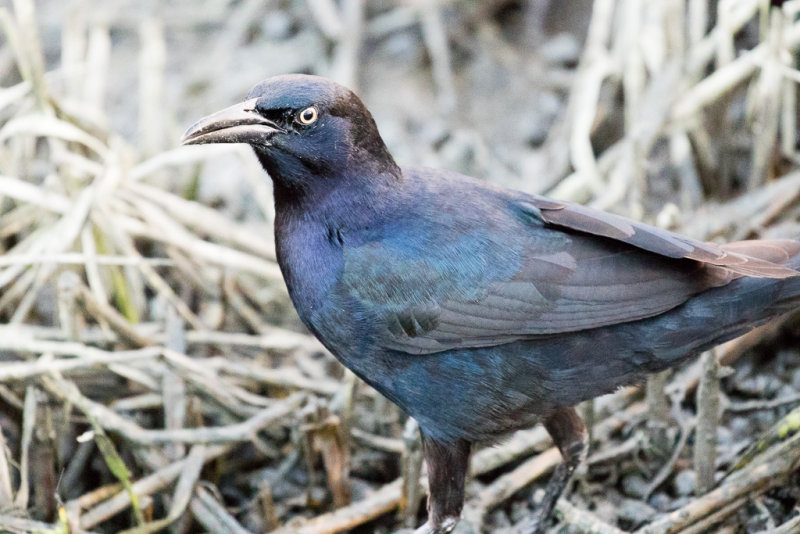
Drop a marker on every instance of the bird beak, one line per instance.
(240, 123)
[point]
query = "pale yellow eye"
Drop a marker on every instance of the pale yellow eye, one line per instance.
(308, 115)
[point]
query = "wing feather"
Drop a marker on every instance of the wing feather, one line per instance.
(541, 267)
(653, 239)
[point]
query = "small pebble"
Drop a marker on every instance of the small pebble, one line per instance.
(498, 519)
(680, 502)
(521, 510)
(661, 502)
(741, 426)
(724, 436)
(759, 386)
(563, 49)
(635, 512)
(685, 482)
(634, 485)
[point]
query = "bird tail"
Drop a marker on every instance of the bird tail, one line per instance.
(627, 352)
(730, 310)
(784, 252)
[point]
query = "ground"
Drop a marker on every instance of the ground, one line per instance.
(147, 344)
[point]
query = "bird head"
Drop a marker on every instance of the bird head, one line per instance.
(304, 129)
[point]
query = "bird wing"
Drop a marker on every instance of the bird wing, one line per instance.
(651, 238)
(539, 267)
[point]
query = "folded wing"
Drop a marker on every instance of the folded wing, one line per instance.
(548, 268)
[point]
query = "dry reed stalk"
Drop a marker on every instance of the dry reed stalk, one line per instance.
(125, 220)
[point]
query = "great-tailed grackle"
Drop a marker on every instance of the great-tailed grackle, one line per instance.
(481, 310)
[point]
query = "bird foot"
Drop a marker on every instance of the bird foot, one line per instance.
(444, 527)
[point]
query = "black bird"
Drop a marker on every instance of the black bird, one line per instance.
(481, 310)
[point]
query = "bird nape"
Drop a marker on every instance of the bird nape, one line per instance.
(481, 310)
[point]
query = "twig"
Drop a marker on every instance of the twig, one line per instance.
(125, 243)
(520, 444)
(788, 425)
(582, 520)
(266, 504)
(595, 66)
(726, 78)
(76, 467)
(31, 55)
(411, 471)
(381, 443)
(766, 471)
(86, 357)
(435, 36)
(28, 423)
(173, 387)
(252, 317)
(324, 435)
(285, 377)
(160, 226)
(182, 494)
(506, 485)
(213, 516)
(12, 524)
(791, 526)
(614, 454)
(76, 258)
(380, 502)
(244, 431)
(705, 443)
(658, 413)
(145, 486)
(766, 104)
(33, 195)
(705, 524)
(205, 220)
(138, 402)
(666, 469)
(6, 493)
(754, 406)
(388, 497)
(104, 312)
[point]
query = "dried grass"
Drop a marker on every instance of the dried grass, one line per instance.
(125, 299)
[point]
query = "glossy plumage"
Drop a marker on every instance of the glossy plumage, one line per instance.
(481, 310)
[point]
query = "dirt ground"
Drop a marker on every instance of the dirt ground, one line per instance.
(153, 374)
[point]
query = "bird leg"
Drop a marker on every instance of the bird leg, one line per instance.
(569, 434)
(447, 468)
